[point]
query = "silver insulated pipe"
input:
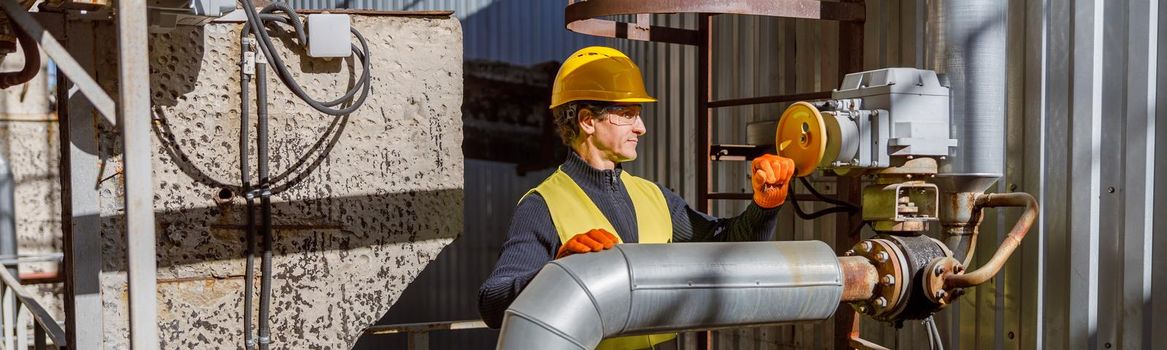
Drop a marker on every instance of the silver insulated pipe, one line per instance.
(576, 302)
(965, 41)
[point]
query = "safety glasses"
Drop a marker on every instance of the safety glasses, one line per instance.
(622, 115)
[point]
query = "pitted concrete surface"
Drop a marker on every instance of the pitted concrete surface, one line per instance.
(370, 198)
(30, 141)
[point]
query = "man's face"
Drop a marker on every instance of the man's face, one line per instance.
(617, 130)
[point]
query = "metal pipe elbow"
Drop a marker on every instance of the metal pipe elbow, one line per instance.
(576, 302)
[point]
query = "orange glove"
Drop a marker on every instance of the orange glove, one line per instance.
(771, 174)
(587, 242)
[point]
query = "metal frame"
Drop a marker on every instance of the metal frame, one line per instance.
(18, 306)
(133, 113)
(583, 17)
(418, 334)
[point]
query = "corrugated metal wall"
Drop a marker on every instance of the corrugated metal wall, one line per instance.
(1082, 130)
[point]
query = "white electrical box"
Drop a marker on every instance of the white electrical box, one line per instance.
(329, 35)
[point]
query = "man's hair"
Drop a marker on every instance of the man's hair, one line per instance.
(566, 118)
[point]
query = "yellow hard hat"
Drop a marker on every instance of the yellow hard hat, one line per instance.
(599, 73)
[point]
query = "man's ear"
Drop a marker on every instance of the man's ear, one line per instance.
(587, 121)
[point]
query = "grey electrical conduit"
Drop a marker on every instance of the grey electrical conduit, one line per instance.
(576, 302)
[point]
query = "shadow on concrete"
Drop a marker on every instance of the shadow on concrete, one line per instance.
(209, 234)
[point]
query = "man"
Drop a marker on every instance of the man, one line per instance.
(591, 204)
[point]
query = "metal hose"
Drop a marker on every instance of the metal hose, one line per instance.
(261, 144)
(245, 178)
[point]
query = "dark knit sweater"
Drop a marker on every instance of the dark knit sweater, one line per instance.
(532, 240)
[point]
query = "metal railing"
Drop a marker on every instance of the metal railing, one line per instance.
(18, 311)
(419, 333)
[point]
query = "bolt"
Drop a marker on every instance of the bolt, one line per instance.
(909, 176)
(881, 257)
(940, 294)
(865, 246)
(880, 302)
(849, 253)
(905, 199)
(958, 269)
(911, 157)
(862, 309)
(939, 270)
(943, 157)
(888, 280)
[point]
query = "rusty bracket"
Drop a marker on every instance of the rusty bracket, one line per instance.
(584, 16)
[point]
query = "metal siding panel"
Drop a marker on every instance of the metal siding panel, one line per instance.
(1158, 147)
(1112, 173)
(1086, 134)
(1033, 253)
(1057, 187)
(1009, 316)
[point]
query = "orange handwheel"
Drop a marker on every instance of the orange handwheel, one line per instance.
(802, 137)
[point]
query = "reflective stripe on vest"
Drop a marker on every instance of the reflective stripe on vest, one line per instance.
(572, 212)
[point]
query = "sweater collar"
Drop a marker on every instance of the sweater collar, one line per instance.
(584, 173)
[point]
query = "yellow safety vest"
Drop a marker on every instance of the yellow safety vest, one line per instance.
(572, 212)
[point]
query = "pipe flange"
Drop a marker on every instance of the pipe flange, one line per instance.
(892, 288)
(934, 275)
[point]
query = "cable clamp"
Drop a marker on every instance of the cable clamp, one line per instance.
(259, 192)
(249, 63)
(251, 343)
(264, 340)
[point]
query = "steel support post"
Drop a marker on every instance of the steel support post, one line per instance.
(80, 215)
(849, 188)
(134, 112)
(704, 131)
(704, 112)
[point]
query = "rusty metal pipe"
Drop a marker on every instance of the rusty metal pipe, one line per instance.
(32, 61)
(859, 278)
(990, 269)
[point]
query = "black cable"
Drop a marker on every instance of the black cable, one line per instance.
(261, 145)
(846, 208)
(245, 177)
(821, 197)
(256, 22)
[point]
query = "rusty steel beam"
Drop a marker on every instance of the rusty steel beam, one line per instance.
(770, 99)
(584, 16)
